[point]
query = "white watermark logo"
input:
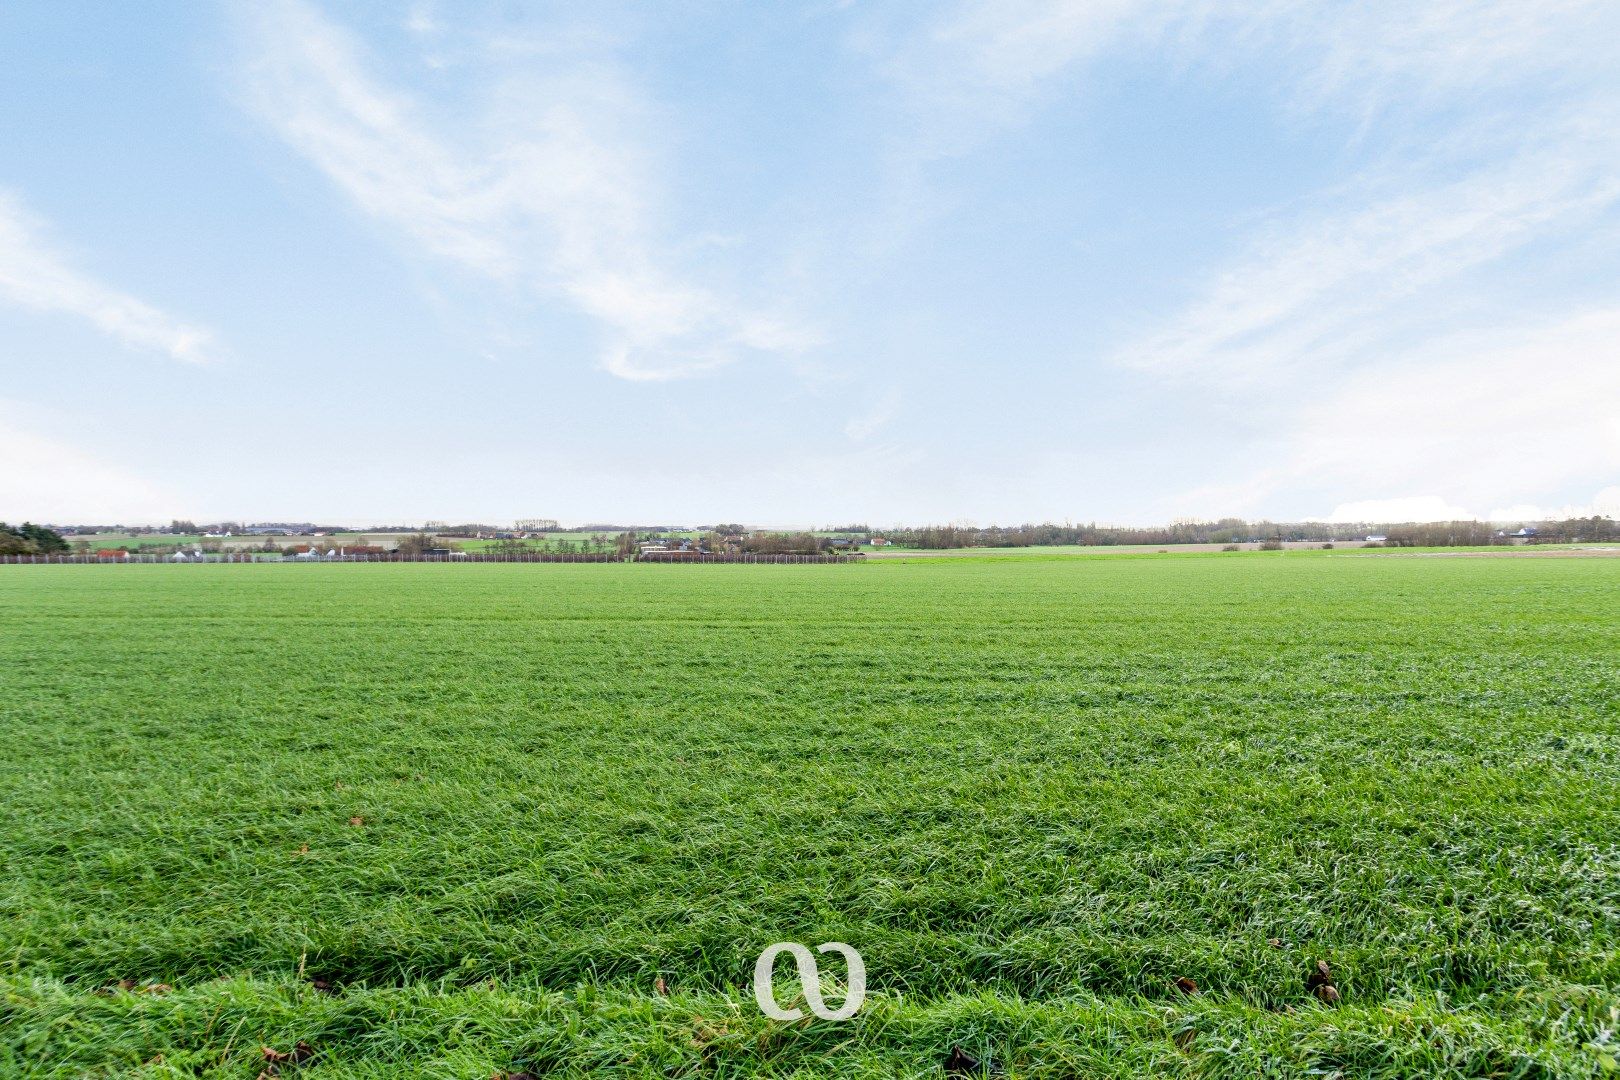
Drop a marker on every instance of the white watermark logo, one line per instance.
(809, 981)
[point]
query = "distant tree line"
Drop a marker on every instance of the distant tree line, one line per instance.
(30, 539)
(782, 543)
(1239, 531)
(1569, 530)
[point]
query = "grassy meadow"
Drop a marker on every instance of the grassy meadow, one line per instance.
(461, 821)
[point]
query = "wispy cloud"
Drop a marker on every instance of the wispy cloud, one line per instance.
(984, 64)
(1373, 60)
(1442, 197)
(36, 273)
(545, 187)
(1361, 322)
(981, 64)
(1320, 286)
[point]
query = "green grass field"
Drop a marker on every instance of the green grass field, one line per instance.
(487, 807)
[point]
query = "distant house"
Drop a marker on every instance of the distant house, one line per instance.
(840, 542)
(112, 553)
(878, 541)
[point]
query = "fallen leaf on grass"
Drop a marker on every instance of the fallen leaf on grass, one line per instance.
(1320, 983)
(1186, 985)
(303, 849)
(704, 1032)
(357, 820)
(1274, 942)
(297, 1055)
(661, 986)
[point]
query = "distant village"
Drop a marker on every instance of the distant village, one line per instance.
(183, 540)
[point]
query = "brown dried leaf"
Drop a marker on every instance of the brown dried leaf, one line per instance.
(357, 820)
(1321, 975)
(1274, 942)
(1186, 985)
(661, 986)
(299, 1053)
(1327, 993)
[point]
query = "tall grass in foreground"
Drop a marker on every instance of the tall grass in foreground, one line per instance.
(459, 820)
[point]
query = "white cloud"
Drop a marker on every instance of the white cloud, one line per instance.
(35, 274)
(1411, 508)
(47, 479)
(548, 189)
(1462, 422)
(1606, 503)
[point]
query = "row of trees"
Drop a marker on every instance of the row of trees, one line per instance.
(1569, 530)
(1223, 531)
(1238, 531)
(30, 539)
(782, 543)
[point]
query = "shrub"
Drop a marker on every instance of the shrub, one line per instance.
(1231, 547)
(1271, 545)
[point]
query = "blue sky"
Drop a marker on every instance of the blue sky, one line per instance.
(809, 263)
